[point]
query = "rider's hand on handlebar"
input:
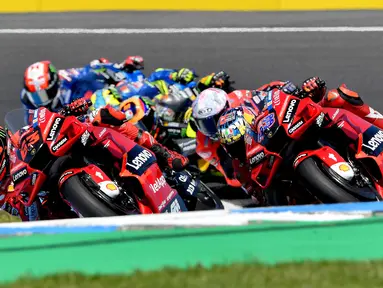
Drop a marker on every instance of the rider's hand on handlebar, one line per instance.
(77, 108)
(221, 79)
(315, 88)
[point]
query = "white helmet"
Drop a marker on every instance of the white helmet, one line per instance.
(207, 108)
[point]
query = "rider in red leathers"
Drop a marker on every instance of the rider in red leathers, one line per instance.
(217, 101)
(115, 119)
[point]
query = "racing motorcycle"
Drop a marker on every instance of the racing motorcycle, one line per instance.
(58, 160)
(305, 153)
(168, 120)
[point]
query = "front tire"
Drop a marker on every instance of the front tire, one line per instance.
(83, 200)
(207, 199)
(321, 185)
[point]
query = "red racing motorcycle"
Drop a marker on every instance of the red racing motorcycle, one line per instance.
(303, 153)
(61, 169)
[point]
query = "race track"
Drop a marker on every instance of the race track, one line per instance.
(251, 58)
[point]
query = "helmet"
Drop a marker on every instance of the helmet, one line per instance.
(41, 83)
(103, 60)
(207, 108)
(233, 125)
(135, 62)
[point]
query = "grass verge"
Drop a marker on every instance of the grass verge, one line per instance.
(309, 274)
(6, 217)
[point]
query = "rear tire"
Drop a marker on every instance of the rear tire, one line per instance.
(83, 200)
(321, 185)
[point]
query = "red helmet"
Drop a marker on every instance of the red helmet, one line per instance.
(135, 62)
(41, 82)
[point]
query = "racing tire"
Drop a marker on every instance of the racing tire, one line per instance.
(207, 199)
(83, 200)
(322, 185)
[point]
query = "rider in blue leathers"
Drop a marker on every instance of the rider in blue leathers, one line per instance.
(45, 86)
(153, 87)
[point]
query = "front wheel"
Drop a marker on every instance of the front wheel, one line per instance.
(206, 199)
(83, 200)
(322, 185)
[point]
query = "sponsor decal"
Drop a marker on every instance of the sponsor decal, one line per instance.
(277, 98)
(174, 131)
(319, 120)
(85, 137)
(257, 158)
(204, 111)
(42, 113)
(34, 178)
(140, 160)
(332, 156)
(64, 175)
(57, 123)
(3, 166)
(111, 186)
(183, 178)
(297, 159)
(296, 126)
(344, 168)
(175, 206)
(334, 115)
(59, 144)
(290, 112)
(191, 187)
(374, 142)
(20, 175)
(158, 184)
(102, 132)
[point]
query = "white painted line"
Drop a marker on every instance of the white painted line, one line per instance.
(192, 30)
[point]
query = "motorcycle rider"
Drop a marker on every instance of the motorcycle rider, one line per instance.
(212, 103)
(45, 86)
(104, 117)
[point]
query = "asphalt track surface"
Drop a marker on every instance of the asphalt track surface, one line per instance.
(252, 59)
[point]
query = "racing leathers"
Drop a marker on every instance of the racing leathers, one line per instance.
(112, 118)
(153, 87)
(73, 84)
(210, 150)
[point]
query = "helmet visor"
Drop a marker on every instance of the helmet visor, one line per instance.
(208, 126)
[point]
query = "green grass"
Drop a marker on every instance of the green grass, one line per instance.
(324, 274)
(6, 217)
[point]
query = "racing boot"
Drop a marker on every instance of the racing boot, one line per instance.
(344, 98)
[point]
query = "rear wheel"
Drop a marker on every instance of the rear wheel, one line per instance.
(322, 185)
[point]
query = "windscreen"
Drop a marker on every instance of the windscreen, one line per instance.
(15, 120)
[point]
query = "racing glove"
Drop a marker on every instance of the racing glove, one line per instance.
(133, 63)
(183, 76)
(315, 88)
(96, 62)
(76, 108)
(216, 80)
(107, 116)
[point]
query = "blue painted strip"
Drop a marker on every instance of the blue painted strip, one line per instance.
(56, 230)
(341, 207)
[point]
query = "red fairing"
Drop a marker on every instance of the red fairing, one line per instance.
(157, 191)
(294, 114)
(326, 154)
(342, 97)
